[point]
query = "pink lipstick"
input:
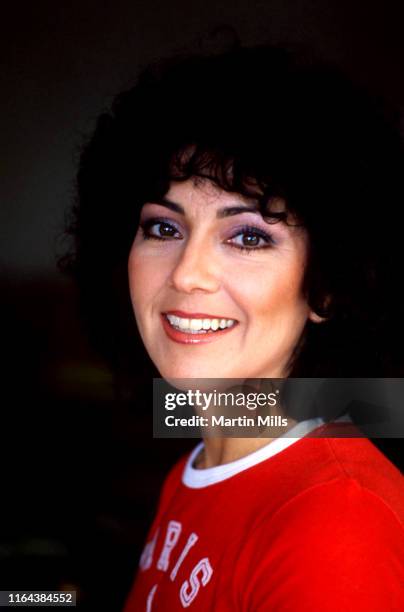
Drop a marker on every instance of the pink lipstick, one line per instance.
(198, 336)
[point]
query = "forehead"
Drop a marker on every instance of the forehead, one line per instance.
(200, 192)
(197, 193)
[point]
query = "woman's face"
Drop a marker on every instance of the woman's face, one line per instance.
(204, 259)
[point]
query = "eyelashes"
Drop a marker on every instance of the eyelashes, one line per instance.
(253, 239)
(246, 238)
(167, 229)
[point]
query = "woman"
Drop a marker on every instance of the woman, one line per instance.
(256, 198)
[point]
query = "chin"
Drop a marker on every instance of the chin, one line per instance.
(199, 377)
(190, 373)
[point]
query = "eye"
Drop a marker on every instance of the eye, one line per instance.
(250, 239)
(159, 229)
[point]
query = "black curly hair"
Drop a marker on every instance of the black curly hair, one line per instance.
(263, 116)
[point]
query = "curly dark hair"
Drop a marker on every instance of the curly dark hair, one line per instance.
(261, 116)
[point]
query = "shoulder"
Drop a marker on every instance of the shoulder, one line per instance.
(361, 461)
(338, 542)
(339, 516)
(358, 497)
(340, 513)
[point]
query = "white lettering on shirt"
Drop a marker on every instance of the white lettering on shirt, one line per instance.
(191, 541)
(150, 598)
(147, 555)
(189, 590)
(172, 535)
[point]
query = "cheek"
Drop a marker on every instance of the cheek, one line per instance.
(138, 272)
(274, 292)
(147, 278)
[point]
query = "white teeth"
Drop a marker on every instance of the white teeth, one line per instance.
(196, 324)
(173, 319)
(199, 325)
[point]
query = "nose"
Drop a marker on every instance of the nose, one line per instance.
(197, 269)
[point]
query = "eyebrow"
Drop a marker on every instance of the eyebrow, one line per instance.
(228, 211)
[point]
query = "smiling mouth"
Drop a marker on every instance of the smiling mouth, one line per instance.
(195, 329)
(198, 325)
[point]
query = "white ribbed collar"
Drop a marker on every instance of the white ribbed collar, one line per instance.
(199, 478)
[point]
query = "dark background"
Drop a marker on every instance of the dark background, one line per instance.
(80, 470)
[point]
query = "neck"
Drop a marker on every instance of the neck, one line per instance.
(221, 450)
(218, 451)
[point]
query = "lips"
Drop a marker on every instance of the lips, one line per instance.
(198, 334)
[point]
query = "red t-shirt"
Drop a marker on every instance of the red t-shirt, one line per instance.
(312, 524)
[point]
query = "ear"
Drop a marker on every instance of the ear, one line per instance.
(315, 318)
